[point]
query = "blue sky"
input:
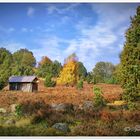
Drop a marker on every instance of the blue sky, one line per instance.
(95, 32)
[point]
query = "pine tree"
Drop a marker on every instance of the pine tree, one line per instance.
(130, 60)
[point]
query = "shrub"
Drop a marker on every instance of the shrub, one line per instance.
(106, 116)
(30, 107)
(18, 111)
(84, 129)
(111, 80)
(89, 78)
(80, 84)
(132, 116)
(131, 105)
(48, 81)
(98, 98)
(36, 119)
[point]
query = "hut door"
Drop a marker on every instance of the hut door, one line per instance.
(35, 87)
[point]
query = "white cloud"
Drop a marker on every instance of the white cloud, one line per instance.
(51, 9)
(113, 16)
(93, 42)
(65, 19)
(30, 11)
(100, 42)
(49, 46)
(12, 46)
(60, 10)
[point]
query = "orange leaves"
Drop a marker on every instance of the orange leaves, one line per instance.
(45, 60)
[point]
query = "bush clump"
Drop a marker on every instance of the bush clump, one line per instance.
(98, 98)
(48, 81)
(18, 111)
(80, 84)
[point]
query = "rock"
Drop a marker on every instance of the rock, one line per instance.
(75, 107)
(88, 105)
(3, 110)
(63, 107)
(13, 107)
(10, 122)
(62, 127)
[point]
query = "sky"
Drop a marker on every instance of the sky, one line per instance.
(95, 32)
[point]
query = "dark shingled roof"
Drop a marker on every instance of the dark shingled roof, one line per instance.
(21, 79)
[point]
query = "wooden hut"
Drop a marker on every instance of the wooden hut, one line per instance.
(23, 83)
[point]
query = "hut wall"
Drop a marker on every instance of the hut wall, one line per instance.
(27, 87)
(15, 86)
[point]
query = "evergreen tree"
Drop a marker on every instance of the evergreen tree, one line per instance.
(130, 60)
(81, 70)
(48, 80)
(56, 68)
(89, 78)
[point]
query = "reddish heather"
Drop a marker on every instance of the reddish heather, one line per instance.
(60, 94)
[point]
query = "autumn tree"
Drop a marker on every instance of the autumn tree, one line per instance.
(130, 60)
(71, 58)
(46, 65)
(45, 60)
(68, 75)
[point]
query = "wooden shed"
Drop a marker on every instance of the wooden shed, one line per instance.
(23, 83)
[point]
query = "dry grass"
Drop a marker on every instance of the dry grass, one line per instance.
(60, 94)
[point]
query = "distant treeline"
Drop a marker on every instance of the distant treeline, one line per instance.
(23, 62)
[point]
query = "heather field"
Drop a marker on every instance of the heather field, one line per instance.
(39, 113)
(69, 69)
(61, 94)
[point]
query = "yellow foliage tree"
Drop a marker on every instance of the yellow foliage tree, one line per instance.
(45, 60)
(68, 75)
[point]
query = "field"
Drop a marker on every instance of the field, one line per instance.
(61, 94)
(35, 115)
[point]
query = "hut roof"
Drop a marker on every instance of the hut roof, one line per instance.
(21, 79)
